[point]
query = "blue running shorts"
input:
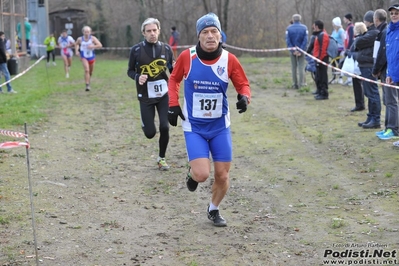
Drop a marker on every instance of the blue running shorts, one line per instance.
(202, 145)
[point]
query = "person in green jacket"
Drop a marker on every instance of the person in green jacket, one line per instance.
(28, 27)
(50, 48)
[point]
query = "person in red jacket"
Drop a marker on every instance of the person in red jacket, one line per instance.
(174, 40)
(318, 47)
(206, 69)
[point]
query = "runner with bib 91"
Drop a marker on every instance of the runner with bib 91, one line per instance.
(148, 62)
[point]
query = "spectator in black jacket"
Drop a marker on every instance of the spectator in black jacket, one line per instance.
(347, 46)
(364, 45)
(3, 63)
(389, 95)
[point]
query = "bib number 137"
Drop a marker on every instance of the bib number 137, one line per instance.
(207, 105)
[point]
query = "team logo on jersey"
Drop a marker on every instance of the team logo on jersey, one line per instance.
(220, 70)
(195, 86)
(154, 69)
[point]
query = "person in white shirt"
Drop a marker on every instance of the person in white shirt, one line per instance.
(84, 47)
(65, 43)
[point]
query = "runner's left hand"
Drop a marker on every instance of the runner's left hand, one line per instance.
(242, 103)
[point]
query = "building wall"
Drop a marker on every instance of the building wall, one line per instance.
(57, 20)
(36, 12)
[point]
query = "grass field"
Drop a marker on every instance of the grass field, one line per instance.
(40, 83)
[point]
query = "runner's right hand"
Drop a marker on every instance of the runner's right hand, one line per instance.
(173, 113)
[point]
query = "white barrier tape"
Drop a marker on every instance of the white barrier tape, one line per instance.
(266, 51)
(188, 46)
(349, 74)
(23, 72)
(259, 50)
(114, 48)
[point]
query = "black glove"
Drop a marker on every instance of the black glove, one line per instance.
(173, 113)
(242, 103)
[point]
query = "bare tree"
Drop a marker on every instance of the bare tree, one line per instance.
(256, 23)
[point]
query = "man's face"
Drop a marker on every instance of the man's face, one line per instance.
(376, 21)
(367, 23)
(86, 32)
(209, 39)
(151, 33)
(3, 36)
(394, 14)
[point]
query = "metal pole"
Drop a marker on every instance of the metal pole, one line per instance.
(1, 15)
(31, 197)
(23, 36)
(47, 17)
(12, 26)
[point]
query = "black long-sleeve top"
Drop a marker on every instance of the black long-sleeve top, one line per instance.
(153, 60)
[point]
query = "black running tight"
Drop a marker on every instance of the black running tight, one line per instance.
(147, 112)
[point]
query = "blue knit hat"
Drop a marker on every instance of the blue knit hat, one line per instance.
(208, 20)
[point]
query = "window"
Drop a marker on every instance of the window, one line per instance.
(41, 3)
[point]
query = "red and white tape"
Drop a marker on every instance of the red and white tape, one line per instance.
(12, 133)
(13, 144)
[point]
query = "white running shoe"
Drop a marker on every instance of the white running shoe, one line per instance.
(67, 75)
(54, 64)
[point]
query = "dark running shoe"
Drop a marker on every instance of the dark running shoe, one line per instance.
(216, 218)
(191, 183)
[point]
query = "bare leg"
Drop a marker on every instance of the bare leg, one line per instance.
(69, 62)
(87, 72)
(222, 182)
(66, 65)
(91, 68)
(200, 169)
